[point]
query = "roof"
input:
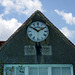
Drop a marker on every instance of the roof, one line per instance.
(2, 42)
(42, 18)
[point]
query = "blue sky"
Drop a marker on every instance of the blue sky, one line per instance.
(15, 12)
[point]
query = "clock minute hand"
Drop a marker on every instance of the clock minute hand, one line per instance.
(34, 28)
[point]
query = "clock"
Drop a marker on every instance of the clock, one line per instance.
(37, 31)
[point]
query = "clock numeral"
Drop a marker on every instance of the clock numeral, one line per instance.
(30, 34)
(33, 24)
(37, 23)
(44, 34)
(45, 31)
(33, 37)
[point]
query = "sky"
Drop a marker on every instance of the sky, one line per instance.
(13, 13)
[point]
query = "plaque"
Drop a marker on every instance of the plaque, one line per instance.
(46, 50)
(31, 50)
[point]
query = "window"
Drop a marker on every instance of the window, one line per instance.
(61, 71)
(38, 69)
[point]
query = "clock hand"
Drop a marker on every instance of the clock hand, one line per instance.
(34, 28)
(41, 29)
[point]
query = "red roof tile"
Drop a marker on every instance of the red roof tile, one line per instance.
(2, 42)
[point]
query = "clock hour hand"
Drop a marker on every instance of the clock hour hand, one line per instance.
(34, 28)
(41, 29)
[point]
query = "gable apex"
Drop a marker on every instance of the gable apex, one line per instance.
(38, 16)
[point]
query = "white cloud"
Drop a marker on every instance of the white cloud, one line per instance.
(68, 33)
(21, 6)
(27, 7)
(7, 27)
(66, 16)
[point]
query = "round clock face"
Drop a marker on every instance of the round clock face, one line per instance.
(37, 31)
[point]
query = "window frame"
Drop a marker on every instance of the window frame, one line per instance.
(38, 65)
